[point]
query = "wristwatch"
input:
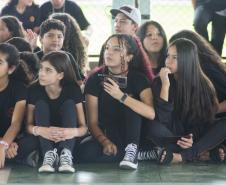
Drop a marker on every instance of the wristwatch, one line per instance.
(123, 98)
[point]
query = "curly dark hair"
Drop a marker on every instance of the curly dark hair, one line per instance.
(73, 41)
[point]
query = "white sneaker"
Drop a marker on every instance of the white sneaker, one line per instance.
(130, 159)
(66, 164)
(50, 158)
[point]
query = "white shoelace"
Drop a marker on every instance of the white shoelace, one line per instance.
(131, 151)
(66, 157)
(50, 157)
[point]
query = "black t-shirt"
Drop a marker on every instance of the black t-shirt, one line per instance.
(30, 17)
(70, 7)
(78, 71)
(214, 5)
(108, 107)
(165, 112)
(37, 92)
(13, 93)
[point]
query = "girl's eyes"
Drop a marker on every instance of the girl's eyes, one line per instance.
(2, 62)
(150, 34)
(173, 56)
(47, 70)
(52, 36)
(114, 48)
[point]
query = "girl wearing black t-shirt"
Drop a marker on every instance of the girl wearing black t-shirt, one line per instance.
(115, 104)
(186, 104)
(154, 41)
(12, 105)
(213, 67)
(211, 64)
(26, 11)
(55, 111)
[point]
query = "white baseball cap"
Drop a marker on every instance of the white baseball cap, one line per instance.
(130, 11)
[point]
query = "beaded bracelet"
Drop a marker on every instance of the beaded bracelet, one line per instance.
(5, 144)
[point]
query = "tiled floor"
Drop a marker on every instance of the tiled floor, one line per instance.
(147, 173)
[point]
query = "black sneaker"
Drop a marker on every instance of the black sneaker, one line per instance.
(66, 164)
(50, 158)
(130, 159)
(146, 155)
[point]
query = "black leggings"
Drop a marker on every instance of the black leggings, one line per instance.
(68, 120)
(213, 137)
(120, 133)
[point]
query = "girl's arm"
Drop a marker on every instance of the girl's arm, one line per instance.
(92, 117)
(143, 107)
(69, 133)
(222, 107)
(13, 130)
(164, 93)
(45, 132)
(82, 129)
(17, 119)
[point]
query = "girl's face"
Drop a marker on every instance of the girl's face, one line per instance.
(4, 32)
(115, 54)
(3, 65)
(5, 70)
(52, 40)
(171, 59)
(48, 75)
(153, 41)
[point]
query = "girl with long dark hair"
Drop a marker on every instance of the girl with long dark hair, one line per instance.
(55, 112)
(186, 104)
(154, 42)
(117, 96)
(25, 10)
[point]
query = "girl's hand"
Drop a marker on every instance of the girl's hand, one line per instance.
(113, 89)
(63, 134)
(164, 72)
(32, 38)
(185, 142)
(49, 133)
(109, 148)
(11, 152)
(2, 156)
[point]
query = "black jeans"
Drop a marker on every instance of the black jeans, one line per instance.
(202, 17)
(215, 135)
(120, 133)
(219, 31)
(68, 120)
